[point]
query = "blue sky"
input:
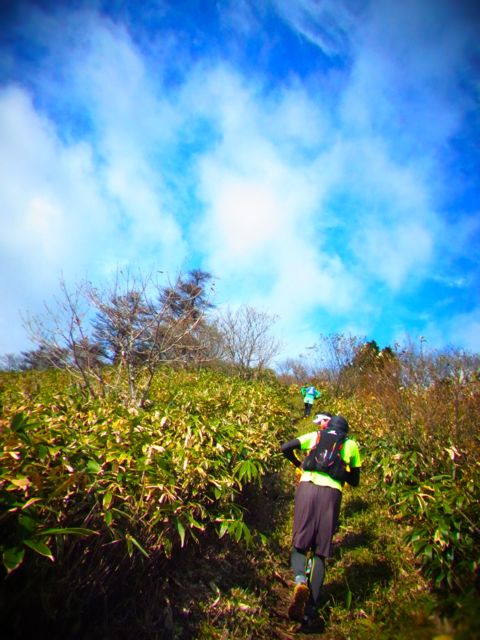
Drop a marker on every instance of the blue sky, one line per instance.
(320, 158)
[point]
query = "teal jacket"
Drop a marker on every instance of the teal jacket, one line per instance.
(310, 394)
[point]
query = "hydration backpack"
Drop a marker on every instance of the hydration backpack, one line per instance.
(326, 455)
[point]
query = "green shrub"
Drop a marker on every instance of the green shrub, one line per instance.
(93, 488)
(434, 487)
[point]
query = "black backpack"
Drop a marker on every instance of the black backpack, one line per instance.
(325, 456)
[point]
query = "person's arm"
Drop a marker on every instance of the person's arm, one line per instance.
(288, 450)
(353, 477)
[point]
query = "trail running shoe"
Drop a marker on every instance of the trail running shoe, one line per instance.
(299, 600)
(312, 623)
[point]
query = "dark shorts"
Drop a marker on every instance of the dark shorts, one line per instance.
(315, 517)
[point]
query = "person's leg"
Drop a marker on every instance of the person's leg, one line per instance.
(315, 583)
(325, 517)
(301, 593)
(298, 563)
(302, 539)
(317, 576)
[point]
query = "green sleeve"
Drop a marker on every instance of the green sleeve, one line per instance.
(307, 440)
(352, 454)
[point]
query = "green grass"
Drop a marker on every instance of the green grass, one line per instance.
(373, 588)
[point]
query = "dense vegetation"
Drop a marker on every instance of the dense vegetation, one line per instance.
(420, 428)
(95, 487)
(172, 520)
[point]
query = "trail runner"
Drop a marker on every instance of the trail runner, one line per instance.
(310, 394)
(316, 510)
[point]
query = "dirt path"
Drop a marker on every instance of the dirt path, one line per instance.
(372, 588)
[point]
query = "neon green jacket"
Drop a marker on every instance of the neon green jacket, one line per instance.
(350, 455)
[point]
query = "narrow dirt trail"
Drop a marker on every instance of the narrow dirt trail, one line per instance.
(372, 588)
(372, 591)
(280, 596)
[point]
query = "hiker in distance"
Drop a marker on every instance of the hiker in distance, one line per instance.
(310, 394)
(332, 459)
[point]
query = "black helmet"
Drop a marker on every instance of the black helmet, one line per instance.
(338, 423)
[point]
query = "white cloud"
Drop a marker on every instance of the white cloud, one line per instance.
(243, 215)
(49, 198)
(307, 202)
(324, 24)
(81, 207)
(133, 125)
(393, 228)
(394, 254)
(459, 329)
(404, 83)
(265, 226)
(106, 90)
(261, 203)
(51, 213)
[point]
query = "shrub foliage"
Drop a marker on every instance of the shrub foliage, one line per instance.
(93, 486)
(95, 491)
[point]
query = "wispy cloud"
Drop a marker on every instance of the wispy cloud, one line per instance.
(327, 24)
(321, 196)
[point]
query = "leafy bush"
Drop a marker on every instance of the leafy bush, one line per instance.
(436, 491)
(421, 442)
(82, 482)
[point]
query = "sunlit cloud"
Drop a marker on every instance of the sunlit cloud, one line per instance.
(305, 193)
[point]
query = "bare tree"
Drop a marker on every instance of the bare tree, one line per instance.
(295, 370)
(44, 357)
(113, 339)
(12, 362)
(246, 338)
(334, 354)
(62, 336)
